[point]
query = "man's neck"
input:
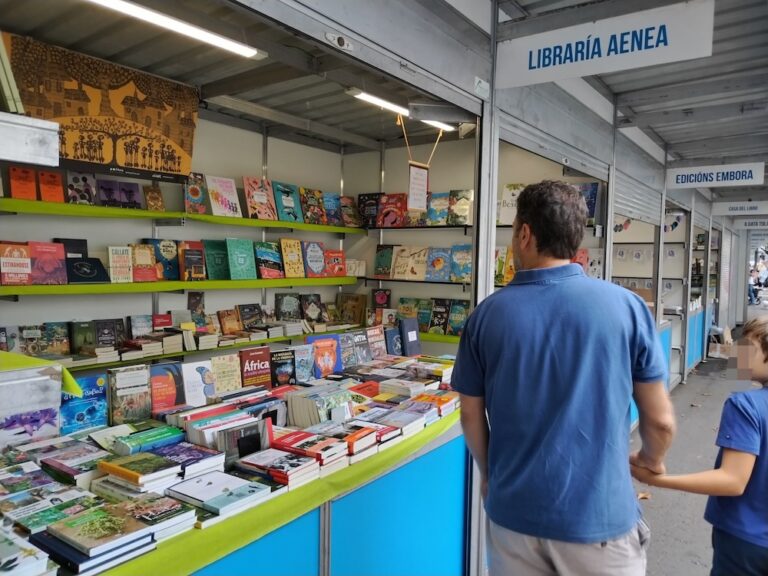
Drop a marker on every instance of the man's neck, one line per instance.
(546, 262)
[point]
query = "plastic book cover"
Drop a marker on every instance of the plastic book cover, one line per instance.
(335, 263)
(392, 211)
(130, 195)
(143, 263)
(460, 207)
(437, 208)
(199, 382)
(423, 313)
(350, 213)
(250, 315)
(86, 271)
(222, 193)
(287, 202)
(313, 206)
(269, 261)
(461, 263)
(166, 258)
(81, 188)
(368, 208)
(15, 264)
(283, 365)
(506, 204)
(288, 306)
(438, 265)
(196, 199)
(166, 384)
(88, 411)
(48, 263)
(382, 265)
(310, 307)
(255, 367)
(438, 322)
(259, 198)
(332, 205)
(313, 254)
(226, 370)
(216, 259)
(153, 197)
(304, 361)
(51, 185)
(240, 255)
(457, 317)
(293, 261)
(23, 183)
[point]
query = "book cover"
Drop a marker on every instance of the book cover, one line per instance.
(394, 341)
(166, 384)
(222, 193)
(161, 321)
(327, 354)
(55, 338)
(362, 348)
(368, 208)
(460, 207)
(287, 202)
(196, 199)
(132, 404)
(335, 263)
(313, 206)
(382, 264)
(268, 260)
(226, 371)
(438, 322)
(509, 266)
(250, 316)
(23, 183)
(351, 307)
(347, 349)
(590, 191)
(376, 341)
(229, 320)
(506, 204)
(388, 316)
(255, 367)
(194, 264)
(48, 262)
(313, 254)
(381, 297)
(120, 264)
(283, 365)
(81, 188)
(409, 337)
(216, 259)
(143, 263)
(166, 258)
(74, 247)
(304, 362)
(199, 382)
(153, 197)
(259, 198)
(81, 334)
(582, 258)
(406, 308)
(88, 411)
(310, 307)
(332, 205)
(86, 271)
(457, 317)
(288, 306)
(241, 258)
(438, 265)
(131, 196)
(410, 263)
(423, 313)
(461, 263)
(500, 259)
(206, 487)
(15, 264)
(437, 208)
(51, 186)
(186, 454)
(293, 262)
(350, 213)
(106, 333)
(139, 325)
(392, 211)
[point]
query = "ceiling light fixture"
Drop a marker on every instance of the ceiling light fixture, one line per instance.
(396, 108)
(178, 26)
(442, 126)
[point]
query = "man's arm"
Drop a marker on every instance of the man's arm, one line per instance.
(475, 425)
(657, 425)
(730, 479)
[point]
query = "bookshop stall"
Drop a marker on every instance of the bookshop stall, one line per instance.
(674, 292)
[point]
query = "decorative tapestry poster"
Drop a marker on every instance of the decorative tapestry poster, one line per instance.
(130, 122)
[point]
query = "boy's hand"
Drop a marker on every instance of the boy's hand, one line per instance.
(643, 474)
(641, 461)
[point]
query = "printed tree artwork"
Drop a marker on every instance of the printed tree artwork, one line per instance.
(108, 114)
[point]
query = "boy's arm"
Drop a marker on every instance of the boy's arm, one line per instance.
(730, 479)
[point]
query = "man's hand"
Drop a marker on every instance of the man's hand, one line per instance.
(640, 460)
(643, 475)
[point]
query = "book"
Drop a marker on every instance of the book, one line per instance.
(362, 348)
(304, 362)
(347, 349)
(241, 258)
(259, 199)
(81, 188)
(381, 297)
(394, 341)
(15, 264)
(368, 208)
(437, 208)
(147, 440)
(310, 307)
(59, 507)
(460, 207)
(407, 308)
(438, 322)
(74, 247)
(327, 354)
(143, 263)
(335, 263)
(86, 271)
(351, 307)
(388, 316)
(409, 337)
(392, 211)
(131, 404)
(226, 371)
(438, 265)
(350, 213)
(287, 306)
(268, 260)
(244, 439)
(216, 259)
(76, 464)
(313, 255)
(23, 183)
(51, 186)
(191, 457)
(376, 341)
(48, 263)
(410, 263)
(287, 202)
(506, 204)
(166, 258)
(82, 334)
(196, 199)
(332, 205)
(139, 325)
(229, 321)
(108, 193)
(457, 317)
(193, 264)
(255, 366)
(382, 265)
(590, 191)
(509, 266)
(312, 206)
(423, 313)
(500, 260)
(461, 263)
(293, 264)
(106, 333)
(87, 411)
(153, 197)
(222, 194)
(130, 195)
(283, 365)
(250, 316)
(205, 488)
(166, 384)
(140, 468)
(199, 382)
(120, 264)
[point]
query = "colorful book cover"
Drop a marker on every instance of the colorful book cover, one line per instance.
(293, 262)
(268, 259)
(48, 261)
(461, 263)
(40, 520)
(216, 259)
(304, 361)
(410, 263)
(438, 265)
(313, 254)
(313, 206)
(351, 307)
(423, 313)
(460, 207)
(199, 382)
(81, 188)
(287, 202)
(389, 316)
(590, 191)
(55, 338)
(350, 213)
(196, 199)
(347, 347)
(15, 264)
(255, 366)
(392, 211)
(229, 321)
(120, 264)
(143, 263)
(441, 309)
(368, 208)
(457, 317)
(51, 186)
(153, 197)
(194, 264)
(500, 259)
(242, 263)
(327, 354)
(376, 341)
(335, 263)
(166, 384)
(250, 315)
(283, 364)
(437, 208)
(226, 371)
(288, 306)
(139, 325)
(362, 348)
(311, 307)
(332, 205)
(382, 265)
(128, 405)
(88, 411)
(407, 308)
(109, 193)
(381, 297)
(259, 198)
(222, 193)
(166, 258)
(131, 196)
(506, 205)
(23, 183)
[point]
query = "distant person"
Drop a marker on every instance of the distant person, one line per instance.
(547, 368)
(738, 486)
(751, 291)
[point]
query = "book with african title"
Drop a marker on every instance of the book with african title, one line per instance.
(350, 213)
(313, 255)
(255, 366)
(143, 263)
(259, 199)
(293, 264)
(312, 206)
(216, 259)
(196, 199)
(268, 260)
(120, 264)
(222, 193)
(287, 202)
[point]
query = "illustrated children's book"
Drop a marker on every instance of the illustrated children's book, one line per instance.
(368, 207)
(437, 208)
(166, 258)
(457, 317)
(327, 354)
(88, 411)
(153, 197)
(441, 308)
(438, 265)
(222, 194)
(350, 213)
(293, 262)
(287, 202)
(335, 263)
(382, 265)
(506, 205)
(312, 206)
(196, 199)
(460, 207)
(313, 254)
(268, 260)
(259, 199)
(392, 211)
(332, 205)
(461, 263)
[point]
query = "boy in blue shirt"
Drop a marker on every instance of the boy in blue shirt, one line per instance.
(738, 486)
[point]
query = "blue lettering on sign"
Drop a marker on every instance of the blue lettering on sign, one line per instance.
(734, 175)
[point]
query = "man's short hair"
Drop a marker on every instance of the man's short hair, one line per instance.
(757, 331)
(557, 215)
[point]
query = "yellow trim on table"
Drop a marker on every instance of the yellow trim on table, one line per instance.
(13, 361)
(196, 549)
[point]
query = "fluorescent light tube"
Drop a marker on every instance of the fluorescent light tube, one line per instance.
(178, 26)
(376, 101)
(440, 125)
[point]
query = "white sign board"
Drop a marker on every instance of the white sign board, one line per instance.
(667, 34)
(418, 184)
(750, 223)
(747, 174)
(745, 208)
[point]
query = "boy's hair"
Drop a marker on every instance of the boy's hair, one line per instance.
(757, 331)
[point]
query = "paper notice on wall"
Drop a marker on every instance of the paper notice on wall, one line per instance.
(418, 183)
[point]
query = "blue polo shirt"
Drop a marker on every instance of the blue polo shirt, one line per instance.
(555, 354)
(744, 427)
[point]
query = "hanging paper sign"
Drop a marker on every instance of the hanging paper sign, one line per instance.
(418, 184)
(730, 175)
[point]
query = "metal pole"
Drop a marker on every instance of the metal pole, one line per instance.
(608, 259)
(382, 165)
(660, 248)
(687, 287)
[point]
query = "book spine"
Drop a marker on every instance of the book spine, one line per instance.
(129, 475)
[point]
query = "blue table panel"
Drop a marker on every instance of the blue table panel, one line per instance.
(665, 336)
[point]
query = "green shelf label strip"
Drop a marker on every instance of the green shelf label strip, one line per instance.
(440, 338)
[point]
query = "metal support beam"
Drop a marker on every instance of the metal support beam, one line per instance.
(700, 114)
(251, 79)
(513, 9)
(711, 146)
(659, 264)
(272, 115)
(714, 160)
(573, 15)
(687, 91)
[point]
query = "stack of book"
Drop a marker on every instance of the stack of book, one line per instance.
(140, 347)
(147, 440)
(317, 404)
(221, 494)
(62, 504)
(206, 341)
(402, 387)
(408, 423)
(444, 400)
(142, 472)
(330, 452)
(172, 343)
(103, 354)
(427, 409)
(194, 460)
(356, 437)
(76, 464)
(289, 469)
(19, 557)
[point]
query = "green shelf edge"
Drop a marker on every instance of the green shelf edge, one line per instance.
(440, 338)
(252, 223)
(172, 286)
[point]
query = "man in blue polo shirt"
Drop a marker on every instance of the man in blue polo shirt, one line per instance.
(546, 370)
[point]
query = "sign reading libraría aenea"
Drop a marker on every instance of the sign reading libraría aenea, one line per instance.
(749, 174)
(668, 34)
